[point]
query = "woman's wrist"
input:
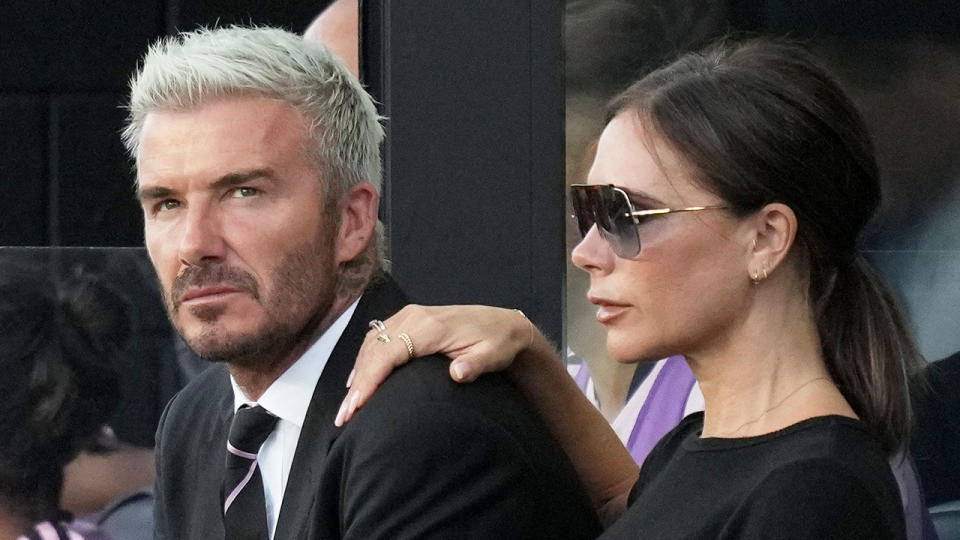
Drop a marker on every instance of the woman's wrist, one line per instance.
(525, 332)
(537, 356)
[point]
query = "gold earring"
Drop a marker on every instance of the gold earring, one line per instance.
(755, 278)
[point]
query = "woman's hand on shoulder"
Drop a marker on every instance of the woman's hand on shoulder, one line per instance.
(478, 339)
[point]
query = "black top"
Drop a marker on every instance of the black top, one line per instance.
(825, 477)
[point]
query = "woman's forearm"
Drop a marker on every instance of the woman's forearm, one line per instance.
(600, 459)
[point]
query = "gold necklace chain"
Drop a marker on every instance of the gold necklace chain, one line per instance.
(777, 404)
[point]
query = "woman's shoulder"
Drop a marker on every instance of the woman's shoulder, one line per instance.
(830, 467)
(847, 501)
(825, 442)
(822, 476)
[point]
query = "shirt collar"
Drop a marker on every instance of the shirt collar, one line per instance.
(289, 396)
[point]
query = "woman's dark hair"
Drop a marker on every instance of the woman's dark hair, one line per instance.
(59, 351)
(760, 122)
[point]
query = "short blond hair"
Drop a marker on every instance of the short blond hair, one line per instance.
(192, 68)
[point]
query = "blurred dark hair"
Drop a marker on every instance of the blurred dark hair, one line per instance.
(759, 122)
(610, 43)
(59, 350)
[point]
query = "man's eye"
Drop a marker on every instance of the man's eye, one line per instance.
(165, 205)
(244, 192)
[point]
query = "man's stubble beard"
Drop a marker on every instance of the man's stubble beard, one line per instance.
(304, 285)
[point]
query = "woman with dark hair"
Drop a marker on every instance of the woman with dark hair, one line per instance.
(720, 221)
(59, 347)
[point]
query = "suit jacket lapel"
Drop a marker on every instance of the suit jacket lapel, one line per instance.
(379, 301)
(210, 446)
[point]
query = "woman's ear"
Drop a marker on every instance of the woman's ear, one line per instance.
(773, 229)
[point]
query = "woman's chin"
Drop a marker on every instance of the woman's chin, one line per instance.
(624, 353)
(625, 350)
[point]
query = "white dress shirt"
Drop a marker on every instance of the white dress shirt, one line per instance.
(288, 398)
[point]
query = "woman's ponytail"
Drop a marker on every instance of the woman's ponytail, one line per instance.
(869, 348)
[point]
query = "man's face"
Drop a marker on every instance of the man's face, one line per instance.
(236, 227)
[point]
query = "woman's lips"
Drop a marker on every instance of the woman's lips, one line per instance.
(607, 313)
(608, 310)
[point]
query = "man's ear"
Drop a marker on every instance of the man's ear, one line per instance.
(358, 220)
(773, 230)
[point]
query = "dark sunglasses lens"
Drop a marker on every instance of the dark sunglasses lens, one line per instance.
(621, 232)
(610, 210)
(582, 210)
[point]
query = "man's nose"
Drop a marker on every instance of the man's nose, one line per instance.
(201, 240)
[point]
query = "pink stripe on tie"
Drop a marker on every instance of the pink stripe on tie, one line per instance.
(238, 452)
(240, 486)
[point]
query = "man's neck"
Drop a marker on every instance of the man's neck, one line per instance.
(255, 380)
(352, 279)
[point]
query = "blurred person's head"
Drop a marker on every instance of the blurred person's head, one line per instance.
(611, 43)
(912, 108)
(771, 146)
(258, 170)
(59, 351)
(338, 27)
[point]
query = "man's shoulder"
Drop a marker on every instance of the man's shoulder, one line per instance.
(432, 451)
(427, 381)
(421, 397)
(204, 395)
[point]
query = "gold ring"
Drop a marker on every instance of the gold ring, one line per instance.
(408, 342)
(377, 325)
(383, 338)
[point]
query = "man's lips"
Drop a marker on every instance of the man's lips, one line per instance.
(607, 310)
(207, 293)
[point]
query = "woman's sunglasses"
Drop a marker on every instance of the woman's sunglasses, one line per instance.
(609, 208)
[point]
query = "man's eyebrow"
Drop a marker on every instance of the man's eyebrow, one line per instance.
(225, 181)
(153, 193)
(242, 177)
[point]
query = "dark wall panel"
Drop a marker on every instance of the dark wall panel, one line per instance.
(64, 70)
(94, 202)
(74, 44)
(474, 156)
(294, 16)
(23, 171)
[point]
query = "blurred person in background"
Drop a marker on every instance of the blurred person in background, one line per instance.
(59, 348)
(338, 28)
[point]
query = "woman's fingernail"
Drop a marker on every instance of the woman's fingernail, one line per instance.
(350, 377)
(338, 421)
(352, 407)
(353, 401)
(458, 371)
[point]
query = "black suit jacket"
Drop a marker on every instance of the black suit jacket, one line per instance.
(425, 458)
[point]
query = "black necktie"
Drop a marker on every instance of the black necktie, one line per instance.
(244, 508)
